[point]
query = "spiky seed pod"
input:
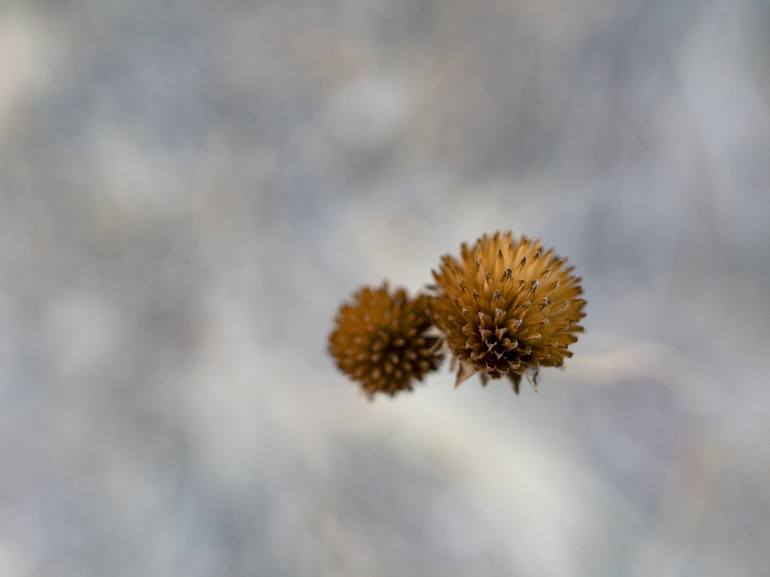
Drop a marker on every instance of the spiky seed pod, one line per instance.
(381, 340)
(507, 307)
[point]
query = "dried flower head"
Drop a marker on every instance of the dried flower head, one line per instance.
(507, 308)
(381, 340)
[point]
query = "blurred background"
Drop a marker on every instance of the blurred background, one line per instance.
(190, 189)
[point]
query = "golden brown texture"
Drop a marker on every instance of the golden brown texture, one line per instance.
(507, 307)
(380, 340)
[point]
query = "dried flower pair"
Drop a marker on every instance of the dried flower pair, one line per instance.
(505, 308)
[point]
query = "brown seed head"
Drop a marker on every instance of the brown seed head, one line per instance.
(507, 307)
(380, 340)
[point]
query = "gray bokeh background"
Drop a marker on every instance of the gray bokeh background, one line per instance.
(189, 189)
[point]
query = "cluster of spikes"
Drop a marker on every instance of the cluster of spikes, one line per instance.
(381, 339)
(504, 308)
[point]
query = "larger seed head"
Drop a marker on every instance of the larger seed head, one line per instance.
(507, 307)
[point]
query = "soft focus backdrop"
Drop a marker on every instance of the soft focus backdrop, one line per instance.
(190, 188)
